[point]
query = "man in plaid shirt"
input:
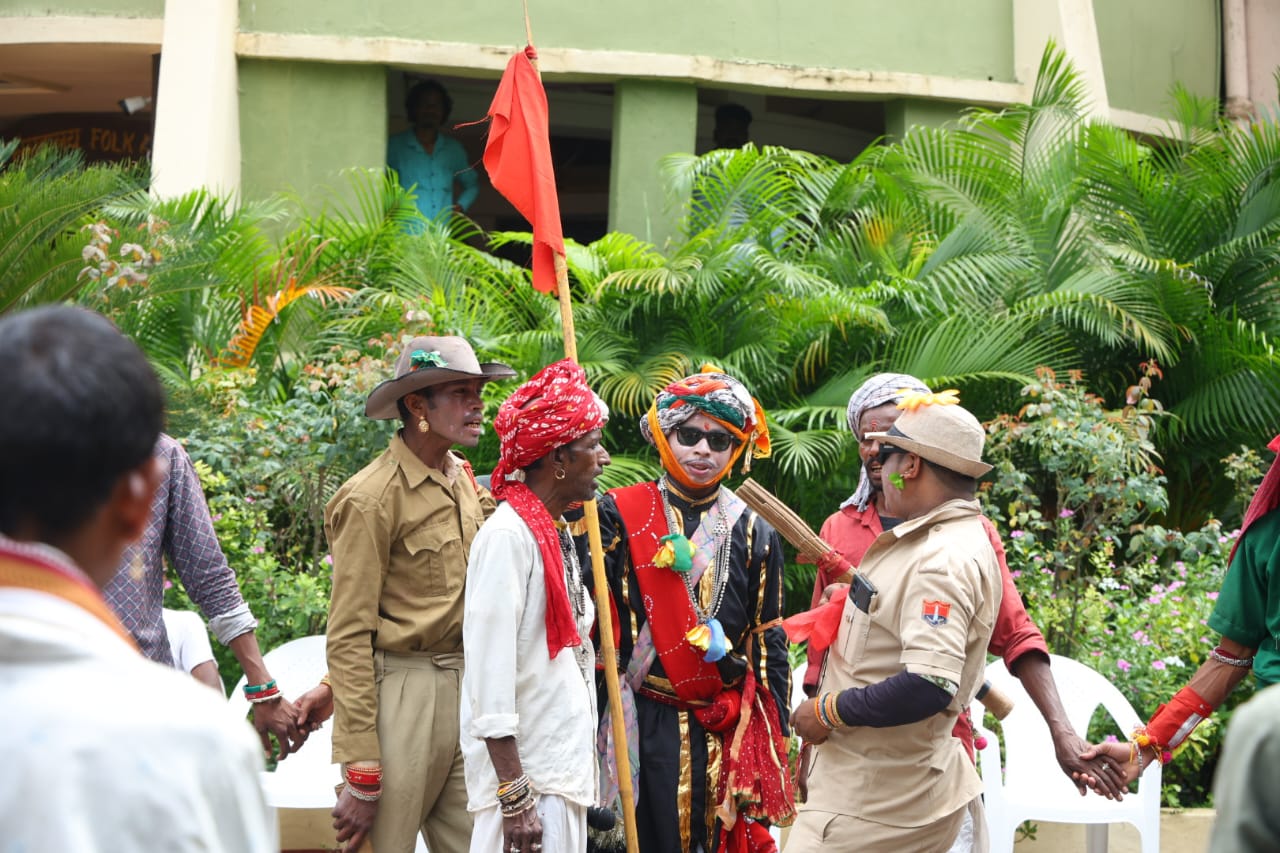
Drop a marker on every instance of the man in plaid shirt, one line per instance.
(181, 529)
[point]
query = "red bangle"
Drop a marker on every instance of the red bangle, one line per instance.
(366, 778)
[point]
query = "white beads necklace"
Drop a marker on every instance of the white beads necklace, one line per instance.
(577, 591)
(719, 558)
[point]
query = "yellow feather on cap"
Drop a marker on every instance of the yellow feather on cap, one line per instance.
(912, 400)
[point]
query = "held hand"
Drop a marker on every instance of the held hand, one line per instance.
(804, 719)
(523, 832)
(353, 819)
(314, 707)
(1116, 755)
(1102, 774)
(279, 718)
(832, 589)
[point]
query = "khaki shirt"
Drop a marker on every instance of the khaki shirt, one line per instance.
(399, 532)
(939, 590)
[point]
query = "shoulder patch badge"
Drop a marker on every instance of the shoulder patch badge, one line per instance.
(936, 612)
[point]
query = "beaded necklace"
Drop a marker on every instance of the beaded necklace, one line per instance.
(719, 560)
(577, 591)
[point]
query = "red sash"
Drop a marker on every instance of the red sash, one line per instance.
(667, 607)
(28, 571)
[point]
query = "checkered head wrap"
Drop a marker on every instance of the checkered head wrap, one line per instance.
(876, 391)
(721, 398)
(552, 409)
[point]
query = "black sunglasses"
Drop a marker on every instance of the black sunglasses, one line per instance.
(887, 450)
(716, 440)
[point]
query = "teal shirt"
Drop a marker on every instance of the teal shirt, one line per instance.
(1248, 609)
(433, 176)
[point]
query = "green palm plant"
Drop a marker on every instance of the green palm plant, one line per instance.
(47, 196)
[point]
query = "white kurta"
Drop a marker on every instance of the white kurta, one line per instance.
(106, 751)
(511, 686)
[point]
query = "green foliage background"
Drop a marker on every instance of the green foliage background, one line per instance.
(1063, 274)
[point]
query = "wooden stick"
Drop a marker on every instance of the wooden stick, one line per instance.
(604, 614)
(792, 528)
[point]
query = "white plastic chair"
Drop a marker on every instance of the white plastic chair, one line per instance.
(1034, 787)
(305, 779)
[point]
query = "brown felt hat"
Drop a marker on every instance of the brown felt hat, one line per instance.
(948, 436)
(428, 361)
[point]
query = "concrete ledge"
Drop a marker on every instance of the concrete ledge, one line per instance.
(1181, 831)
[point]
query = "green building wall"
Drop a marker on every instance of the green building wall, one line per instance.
(303, 123)
(973, 39)
(87, 8)
(1149, 45)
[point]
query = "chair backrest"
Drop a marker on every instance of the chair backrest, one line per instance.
(1033, 785)
(797, 684)
(306, 778)
(1028, 747)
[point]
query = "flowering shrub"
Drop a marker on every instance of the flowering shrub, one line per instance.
(1075, 491)
(288, 601)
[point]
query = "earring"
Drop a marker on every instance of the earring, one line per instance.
(559, 473)
(423, 426)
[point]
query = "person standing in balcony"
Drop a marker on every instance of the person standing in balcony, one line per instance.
(433, 165)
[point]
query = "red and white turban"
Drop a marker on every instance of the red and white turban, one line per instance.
(552, 409)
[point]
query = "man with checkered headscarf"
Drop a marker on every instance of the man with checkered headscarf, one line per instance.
(696, 578)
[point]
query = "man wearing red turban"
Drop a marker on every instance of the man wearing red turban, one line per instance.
(528, 692)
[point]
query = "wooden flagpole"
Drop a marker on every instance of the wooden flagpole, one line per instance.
(604, 614)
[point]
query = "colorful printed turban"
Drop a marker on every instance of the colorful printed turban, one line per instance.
(876, 391)
(721, 398)
(552, 409)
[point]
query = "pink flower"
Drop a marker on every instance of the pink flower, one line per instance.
(1157, 664)
(1123, 665)
(257, 549)
(1016, 534)
(1212, 596)
(168, 584)
(1066, 513)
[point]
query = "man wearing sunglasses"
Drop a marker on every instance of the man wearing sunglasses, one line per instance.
(696, 579)
(910, 653)
(862, 517)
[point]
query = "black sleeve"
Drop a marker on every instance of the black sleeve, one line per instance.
(898, 700)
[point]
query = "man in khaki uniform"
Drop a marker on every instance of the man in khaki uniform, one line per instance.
(909, 655)
(399, 531)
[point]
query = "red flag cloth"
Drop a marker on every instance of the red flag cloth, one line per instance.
(819, 625)
(518, 160)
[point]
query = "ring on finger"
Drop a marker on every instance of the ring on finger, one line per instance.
(1106, 766)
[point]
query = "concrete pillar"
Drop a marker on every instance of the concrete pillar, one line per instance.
(903, 114)
(197, 136)
(1071, 24)
(650, 121)
(1263, 37)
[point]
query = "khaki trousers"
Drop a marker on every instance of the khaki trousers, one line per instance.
(828, 832)
(423, 786)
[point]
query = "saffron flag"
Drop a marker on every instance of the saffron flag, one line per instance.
(518, 160)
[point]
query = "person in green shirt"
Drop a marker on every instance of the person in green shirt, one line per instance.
(1247, 616)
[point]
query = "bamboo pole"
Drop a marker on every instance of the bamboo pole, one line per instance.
(604, 615)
